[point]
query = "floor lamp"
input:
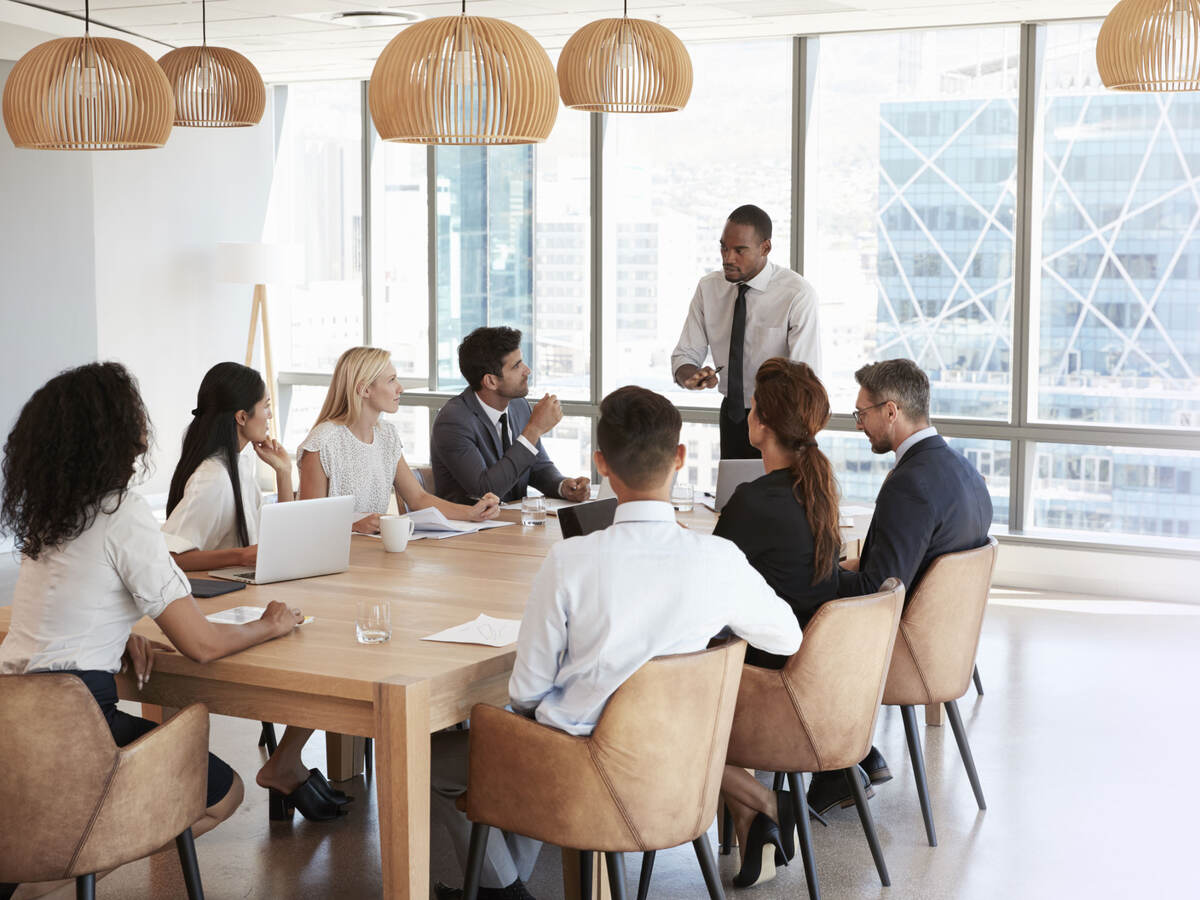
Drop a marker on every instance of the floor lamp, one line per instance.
(259, 265)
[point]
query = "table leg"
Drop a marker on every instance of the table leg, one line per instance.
(158, 714)
(402, 787)
(935, 714)
(570, 870)
(343, 755)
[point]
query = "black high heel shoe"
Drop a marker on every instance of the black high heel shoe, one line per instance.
(339, 797)
(307, 798)
(758, 856)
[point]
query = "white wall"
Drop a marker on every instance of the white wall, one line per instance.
(1174, 579)
(160, 310)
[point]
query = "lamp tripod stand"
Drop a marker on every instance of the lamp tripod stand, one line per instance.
(258, 312)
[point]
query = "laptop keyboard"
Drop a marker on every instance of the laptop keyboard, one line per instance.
(249, 574)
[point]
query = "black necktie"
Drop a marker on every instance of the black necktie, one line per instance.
(737, 340)
(505, 440)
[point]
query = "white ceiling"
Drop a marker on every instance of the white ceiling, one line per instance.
(288, 42)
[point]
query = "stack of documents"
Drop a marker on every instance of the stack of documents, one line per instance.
(432, 524)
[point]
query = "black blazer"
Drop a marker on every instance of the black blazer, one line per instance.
(769, 525)
(933, 502)
(465, 451)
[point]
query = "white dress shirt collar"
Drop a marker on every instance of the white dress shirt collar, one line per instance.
(760, 281)
(644, 511)
(493, 414)
(912, 440)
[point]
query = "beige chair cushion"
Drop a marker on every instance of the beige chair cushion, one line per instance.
(646, 779)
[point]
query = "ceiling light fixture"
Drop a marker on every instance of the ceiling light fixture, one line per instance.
(624, 65)
(463, 80)
(1150, 45)
(214, 87)
(87, 94)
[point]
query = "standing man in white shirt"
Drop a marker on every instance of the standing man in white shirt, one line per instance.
(745, 314)
(604, 604)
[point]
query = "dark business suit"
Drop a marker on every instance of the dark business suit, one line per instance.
(770, 526)
(933, 502)
(467, 459)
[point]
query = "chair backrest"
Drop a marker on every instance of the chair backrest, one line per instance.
(587, 517)
(425, 477)
(661, 741)
(939, 631)
(82, 803)
(818, 713)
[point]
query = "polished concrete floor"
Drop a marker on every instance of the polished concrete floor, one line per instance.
(1084, 740)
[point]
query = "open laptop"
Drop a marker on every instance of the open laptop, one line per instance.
(299, 540)
(731, 473)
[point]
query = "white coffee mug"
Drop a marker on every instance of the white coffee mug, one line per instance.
(396, 530)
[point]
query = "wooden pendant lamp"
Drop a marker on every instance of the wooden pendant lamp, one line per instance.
(214, 87)
(1150, 45)
(463, 80)
(625, 65)
(87, 94)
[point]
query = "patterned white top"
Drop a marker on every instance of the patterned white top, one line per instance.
(364, 471)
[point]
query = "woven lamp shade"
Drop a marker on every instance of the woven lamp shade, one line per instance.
(214, 87)
(625, 65)
(87, 94)
(463, 80)
(1150, 45)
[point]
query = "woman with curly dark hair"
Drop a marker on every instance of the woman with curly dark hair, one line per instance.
(94, 560)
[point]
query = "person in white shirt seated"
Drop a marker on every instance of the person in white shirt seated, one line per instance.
(213, 512)
(94, 562)
(604, 604)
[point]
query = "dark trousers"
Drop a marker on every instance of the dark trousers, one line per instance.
(735, 436)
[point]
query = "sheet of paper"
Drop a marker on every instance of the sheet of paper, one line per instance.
(240, 615)
(431, 519)
(852, 511)
(483, 629)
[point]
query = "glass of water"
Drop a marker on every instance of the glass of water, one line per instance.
(373, 624)
(683, 497)
(533, 511)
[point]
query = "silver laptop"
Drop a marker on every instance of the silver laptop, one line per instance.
(731, 473)
(299, 540)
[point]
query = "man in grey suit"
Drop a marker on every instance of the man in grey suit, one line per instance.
(488, 438)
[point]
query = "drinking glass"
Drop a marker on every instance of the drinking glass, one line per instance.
(683, 497)
(373, 624)
(533, 511)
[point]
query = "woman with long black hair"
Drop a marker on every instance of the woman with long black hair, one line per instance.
(94, 560)
(214, 502)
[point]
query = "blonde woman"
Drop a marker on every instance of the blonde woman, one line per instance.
(351, 452)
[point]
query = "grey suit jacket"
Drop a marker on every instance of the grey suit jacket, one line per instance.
(467, 463)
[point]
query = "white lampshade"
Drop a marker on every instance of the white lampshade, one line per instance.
(260, 263)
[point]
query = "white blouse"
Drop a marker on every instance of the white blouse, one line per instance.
(365, 471)
(75, 605)
(205, 518)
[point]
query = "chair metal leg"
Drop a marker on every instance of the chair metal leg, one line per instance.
(726, 830)
(964, 750)
(85, 887)
(777, 784)
(585, 874)
(708, 865)
(644, 877)
(368, 755)
(978, 681)
(616, 875)
(267, 738)
(868, 823)
(475, 855)
(917, 756)
(804, 827)
(185, 846)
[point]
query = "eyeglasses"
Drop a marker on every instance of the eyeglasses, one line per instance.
(858, 412)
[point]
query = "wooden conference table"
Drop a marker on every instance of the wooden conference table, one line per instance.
(397, 692)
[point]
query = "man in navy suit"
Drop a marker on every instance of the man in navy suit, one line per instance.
(488, 438)
(932, 502)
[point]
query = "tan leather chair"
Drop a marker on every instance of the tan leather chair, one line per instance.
(425, 476)
(646, 779)
(817, 713)
(934, 661)
(76, 804)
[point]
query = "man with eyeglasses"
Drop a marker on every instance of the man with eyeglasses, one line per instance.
(933, 501)
(745, 314)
